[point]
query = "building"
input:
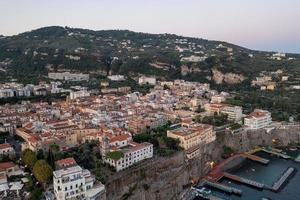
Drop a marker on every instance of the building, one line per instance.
(6, 149)
(129, 155)
(147, 80)
(70, 181)
(120, 152)
(67, 76)
(234, 113)
(192, 136)
(258, 119)
(79, 94)
(214, 108)
(8, 169)
(218, 99)
(116, 78)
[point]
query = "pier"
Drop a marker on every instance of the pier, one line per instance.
(244, 180)
(257, 158)
(277, 185)
(276, 152)
(197, 192)
(297, 159)
(225, 188)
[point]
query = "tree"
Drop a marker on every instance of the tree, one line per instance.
(50, 158)
(36, 194)
(171, 143)
(29, 157)
(40, 154)
(42, 171)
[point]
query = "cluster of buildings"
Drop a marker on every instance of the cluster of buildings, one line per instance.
(267, 81)
(68, 76)
(83, 117)
(19, 90)
(113, 120)
(8, 169)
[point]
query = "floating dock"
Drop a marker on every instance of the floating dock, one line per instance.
(257, 158)
(253, 151)
(277, 185)
(225, 188)
(276, 152)
(244, 180)
(297, 159)
(197, 193)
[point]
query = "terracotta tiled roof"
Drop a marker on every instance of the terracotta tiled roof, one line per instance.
(120, 138)
(5, 146)
(6, 165)
(66, 162)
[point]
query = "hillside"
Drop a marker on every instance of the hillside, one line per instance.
(29, 56)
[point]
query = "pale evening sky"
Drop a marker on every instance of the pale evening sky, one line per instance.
(257, 24)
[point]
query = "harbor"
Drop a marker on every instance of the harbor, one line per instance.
(262, 173)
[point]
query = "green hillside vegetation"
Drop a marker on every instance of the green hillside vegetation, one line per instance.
(30, 52)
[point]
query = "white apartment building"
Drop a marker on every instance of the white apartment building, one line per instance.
(67, 76)
(234, 113)
(116, 77)
(258, 119)
(4, 93)
(131, 154)
(6, 149)
(193, 58)
(147, 80)
(79, 94)
(218, 99)
(73, 182)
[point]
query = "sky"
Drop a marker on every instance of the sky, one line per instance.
(256, 24)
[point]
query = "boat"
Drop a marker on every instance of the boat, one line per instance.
(293, 149)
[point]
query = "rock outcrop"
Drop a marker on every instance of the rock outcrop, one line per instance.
(230, 78)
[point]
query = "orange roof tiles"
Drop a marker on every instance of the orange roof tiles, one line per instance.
(66, 162)
(5, 146)
(6, 165)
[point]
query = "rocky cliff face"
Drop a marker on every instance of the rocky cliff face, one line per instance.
(229, 78)
(166, 178)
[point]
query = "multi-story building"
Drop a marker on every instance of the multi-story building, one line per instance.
(79, 94)
(6, 149)
(258, 119)
(147, 80)
(116, 77)
(218, 99)
(213, 108)
(192, 136)
(67, 76)
(129, 155)
(70, 181)
(234, 113)
(121, 152)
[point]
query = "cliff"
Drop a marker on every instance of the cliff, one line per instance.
(230, 78)
(166, 178)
